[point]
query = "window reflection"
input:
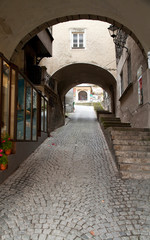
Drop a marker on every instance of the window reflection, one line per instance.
(42, 114)
(19, 105)
(34, 119)
(45, 116)
(28, 112)
(12, 106)
(20, 108)
(5, 97)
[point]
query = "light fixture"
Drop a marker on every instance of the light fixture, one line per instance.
(114, 32)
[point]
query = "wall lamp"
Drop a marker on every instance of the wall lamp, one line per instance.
(114, 33)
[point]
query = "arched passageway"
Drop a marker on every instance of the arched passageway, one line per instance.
(74, 74)
(19, 21)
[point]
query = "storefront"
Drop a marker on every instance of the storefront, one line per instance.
(23, 110)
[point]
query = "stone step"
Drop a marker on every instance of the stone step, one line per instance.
(133, 160)
(106, 115)
(131, 148)
(110, 124)
(123, 130)
(132, 154)
(135, 175)
(129, 133)
(134, 167)
(103, 119)
(131, 142)
(131, 137)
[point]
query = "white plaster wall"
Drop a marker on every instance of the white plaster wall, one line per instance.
(99, 47)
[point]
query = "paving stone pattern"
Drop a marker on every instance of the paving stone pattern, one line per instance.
(70, 189)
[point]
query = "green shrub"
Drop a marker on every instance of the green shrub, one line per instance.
(98, 106)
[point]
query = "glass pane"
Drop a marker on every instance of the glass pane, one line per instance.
(1, 125)
(45, 116)
(75, 40)
(12, 109)
(28, 112)
(81, 37)
(34, 117)
(42, 114)
(5, 97)
(20, 108)
(75, 37)
(80, 40)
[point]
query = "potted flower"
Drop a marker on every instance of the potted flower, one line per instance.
(6, 144)
(3, 160)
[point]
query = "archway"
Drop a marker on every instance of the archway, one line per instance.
(82, 96)
(74, 74)
(19, 22)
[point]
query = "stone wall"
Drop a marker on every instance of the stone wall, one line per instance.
(128, 107)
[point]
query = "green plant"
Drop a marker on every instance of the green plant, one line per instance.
(6, 142)
(97, 106)
(3, 157)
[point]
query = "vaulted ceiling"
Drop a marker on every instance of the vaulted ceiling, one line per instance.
(74, 74)
(21, 20)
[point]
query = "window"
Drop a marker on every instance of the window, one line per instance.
(20, 108)
(5, 97)
(129, 69)
(21, 113)
(140, 84)
(122, 85)
(140, 90)
(78, 40)
(44, 114)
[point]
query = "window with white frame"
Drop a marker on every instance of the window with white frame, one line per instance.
(78, 39)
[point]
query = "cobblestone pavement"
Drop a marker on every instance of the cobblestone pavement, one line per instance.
(69, 189)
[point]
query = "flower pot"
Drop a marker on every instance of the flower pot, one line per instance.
(3, 166)
(7, 151)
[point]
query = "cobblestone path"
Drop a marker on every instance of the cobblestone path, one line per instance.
(69, 189)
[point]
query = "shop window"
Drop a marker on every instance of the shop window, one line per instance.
(5, 98)
(20, 108)
(42, 114)
(18, 105)
(28, 111)
(46, 116)
(12, 104)
(34, 117)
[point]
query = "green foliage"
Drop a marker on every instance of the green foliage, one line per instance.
(6, 142)
(3, 159)
(97, 106)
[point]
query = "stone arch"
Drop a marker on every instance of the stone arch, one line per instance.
(74, 74)
(58, 20)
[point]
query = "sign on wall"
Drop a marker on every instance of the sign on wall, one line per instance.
(140, 85)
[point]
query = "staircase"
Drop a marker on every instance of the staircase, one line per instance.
(129, 146)
(113, 122)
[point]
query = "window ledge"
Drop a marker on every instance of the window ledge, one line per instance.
(78, 47)
(125, 91)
